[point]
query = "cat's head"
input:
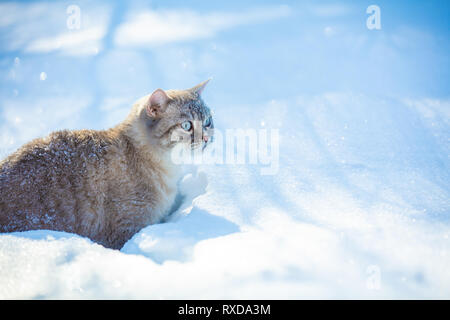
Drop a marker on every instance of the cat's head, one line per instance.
(179, 117)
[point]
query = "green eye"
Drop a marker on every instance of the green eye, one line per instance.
(187, 125)
(207, 122)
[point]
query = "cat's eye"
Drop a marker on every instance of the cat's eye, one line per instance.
(187, 125)
(207, 122)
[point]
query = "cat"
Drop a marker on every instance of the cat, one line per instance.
(105, 185)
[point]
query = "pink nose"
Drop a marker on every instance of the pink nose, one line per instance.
(205, 138)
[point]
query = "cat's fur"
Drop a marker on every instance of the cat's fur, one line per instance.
(105, 185)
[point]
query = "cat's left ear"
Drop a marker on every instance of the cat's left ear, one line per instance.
(157, 103)
(198, 89)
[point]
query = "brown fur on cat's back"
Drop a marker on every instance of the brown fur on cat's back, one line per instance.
(104, 185)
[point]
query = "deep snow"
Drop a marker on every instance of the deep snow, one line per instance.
(351, 214)
(360, 205)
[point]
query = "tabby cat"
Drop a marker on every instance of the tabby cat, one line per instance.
(105, 185)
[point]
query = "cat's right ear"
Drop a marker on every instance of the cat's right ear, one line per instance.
(157, 103)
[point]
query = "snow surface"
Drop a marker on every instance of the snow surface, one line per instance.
(348, 199)
(360, 206)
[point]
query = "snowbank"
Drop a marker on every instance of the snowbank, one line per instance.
(359, 209)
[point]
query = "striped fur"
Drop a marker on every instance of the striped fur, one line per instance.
(104, 185)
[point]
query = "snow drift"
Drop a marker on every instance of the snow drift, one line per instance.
(358, 209)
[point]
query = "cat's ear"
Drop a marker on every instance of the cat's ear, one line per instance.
(157, 103)
(198, 89)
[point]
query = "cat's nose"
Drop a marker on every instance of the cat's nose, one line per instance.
(205, 138)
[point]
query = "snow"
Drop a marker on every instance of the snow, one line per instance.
(358, 208)
(317, 229)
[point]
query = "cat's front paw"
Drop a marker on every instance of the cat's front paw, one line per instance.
(193, 185)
